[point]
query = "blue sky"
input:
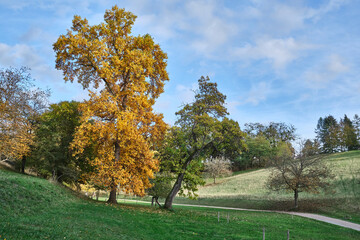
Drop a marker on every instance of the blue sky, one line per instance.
(288, 61)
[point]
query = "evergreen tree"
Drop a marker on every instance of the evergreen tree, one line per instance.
(356, 123)
(348, 136)
(327, 132)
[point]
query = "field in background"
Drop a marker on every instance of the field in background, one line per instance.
(345, 167)
(33, 208)
(248, 190)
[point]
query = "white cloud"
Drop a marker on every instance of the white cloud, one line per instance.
(321, 76)
(203, 26)
(332, 5)
(60, 8)
(25, 55)
(185, 94)
(335, 65)
(16, 5)
(34, 33)
(258, 93)
(279, 52)
(211, 29)
(19, 54)
(277, 17)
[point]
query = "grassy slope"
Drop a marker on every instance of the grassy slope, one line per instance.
(32, 208)
(247, 190)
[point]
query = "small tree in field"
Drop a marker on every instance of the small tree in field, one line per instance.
(298, 174)
(217, 167)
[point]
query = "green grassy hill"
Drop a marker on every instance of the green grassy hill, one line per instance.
(33, 208)
(248, 190)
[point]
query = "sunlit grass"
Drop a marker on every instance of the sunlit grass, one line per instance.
(248, 190)
(345, 167)
(33, 208)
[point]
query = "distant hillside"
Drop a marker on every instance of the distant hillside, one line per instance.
(247, 190)
(345, 166)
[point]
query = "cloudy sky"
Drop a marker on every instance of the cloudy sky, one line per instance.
(282, 61)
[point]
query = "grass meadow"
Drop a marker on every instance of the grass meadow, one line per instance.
(33, 208)
(248, 190)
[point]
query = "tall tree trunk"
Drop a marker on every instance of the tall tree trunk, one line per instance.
(214, 179)
(23, 163)
(296, 196)
(112, 196)
(170, 198)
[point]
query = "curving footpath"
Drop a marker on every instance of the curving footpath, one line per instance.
(318, 217)
(321, 218)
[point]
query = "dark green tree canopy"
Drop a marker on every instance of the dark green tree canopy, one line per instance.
(52, 156)
(202, 130)
(348, 137)
(274, 132)
(327, 133)
(259, 152)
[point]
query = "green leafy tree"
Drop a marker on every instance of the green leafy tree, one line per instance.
(161, 186)
(52, 156)
(356, 122)
(232, 144)
(259, 151)
(348, 136)
(200, 128)
(327, 133)
(274, 132)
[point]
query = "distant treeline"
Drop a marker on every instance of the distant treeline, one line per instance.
(264, 140)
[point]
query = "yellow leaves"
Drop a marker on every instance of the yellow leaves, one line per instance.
(119, 121)
(135, 129)
(106, 52)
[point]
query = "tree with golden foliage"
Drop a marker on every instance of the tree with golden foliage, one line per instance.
(118, 119)
(20, 106)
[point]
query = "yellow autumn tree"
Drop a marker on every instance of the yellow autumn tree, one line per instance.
(20, 106)
(118, 120)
